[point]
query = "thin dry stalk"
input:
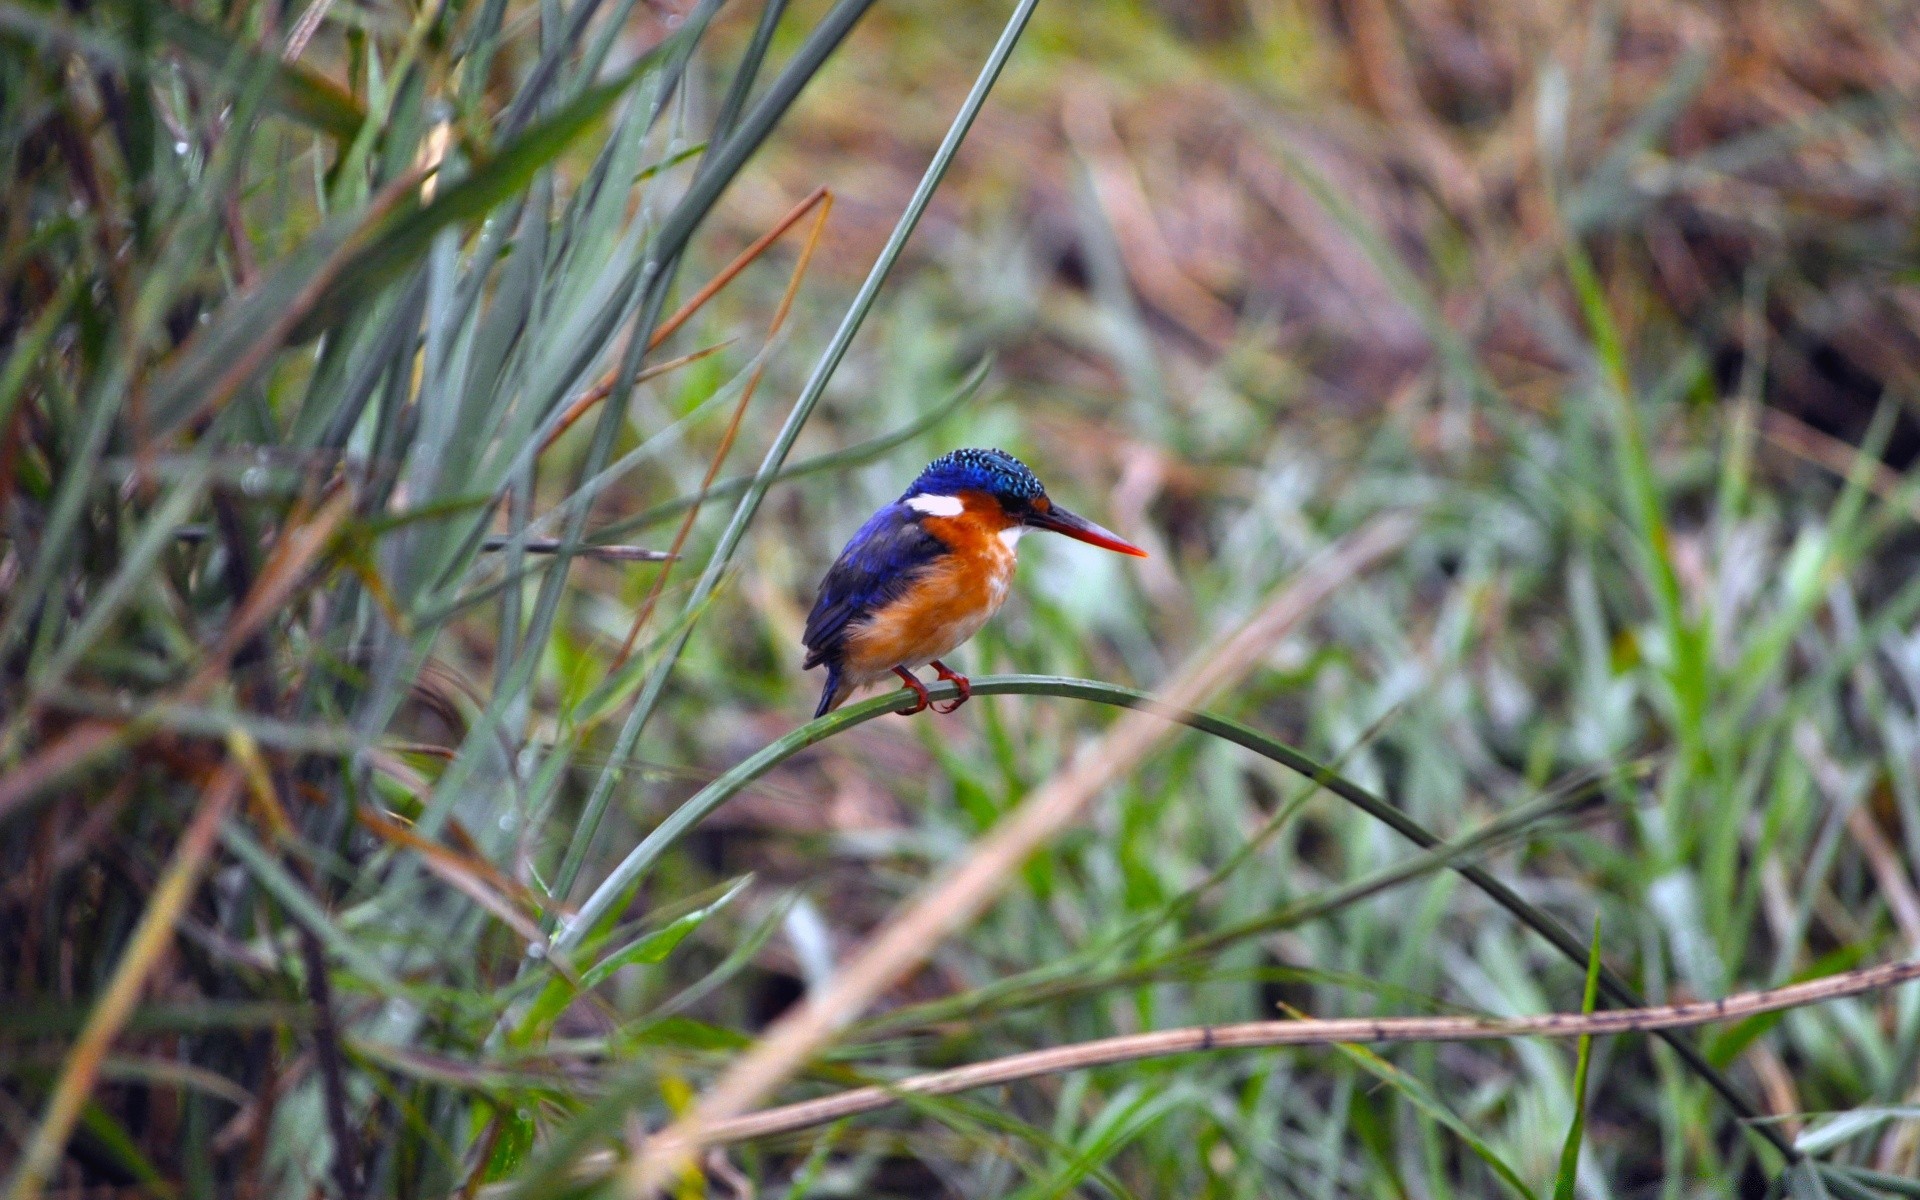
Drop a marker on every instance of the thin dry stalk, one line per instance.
(304, 29)
(1796, 437)
(1150, 261)
(672, 324)
(1889, 872)
(824, 199)
(950, 903)
(1256, 1034)
(151, 937)
(741, 261)
(604, 387)
(343, 1154)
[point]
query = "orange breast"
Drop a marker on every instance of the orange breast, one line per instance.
(948, 603)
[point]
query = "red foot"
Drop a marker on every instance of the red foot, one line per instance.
(919, 689)
(959, 681)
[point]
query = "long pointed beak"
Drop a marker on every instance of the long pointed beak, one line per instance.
(1077, 527)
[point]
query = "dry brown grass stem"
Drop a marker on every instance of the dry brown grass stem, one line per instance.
(150, 939)
(1155, 269)
(304, 29)
(1796, 437)
(694, 304)
(601, 390)
(949, 903)
(1347, 1030)
(822, 201)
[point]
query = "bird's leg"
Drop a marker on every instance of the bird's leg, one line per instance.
(960, 681)
(919, 689)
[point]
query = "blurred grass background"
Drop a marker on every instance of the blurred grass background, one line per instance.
(1619, 300)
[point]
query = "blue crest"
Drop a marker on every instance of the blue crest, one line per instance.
(992, 471)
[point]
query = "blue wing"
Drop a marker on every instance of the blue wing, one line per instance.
(878, 565)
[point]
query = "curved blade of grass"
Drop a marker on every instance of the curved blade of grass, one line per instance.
(654, 946)
(643, 856)
(1052, 977)
(1844, 1127)
(120, 1143)
(26, 351)
(1892, 1185)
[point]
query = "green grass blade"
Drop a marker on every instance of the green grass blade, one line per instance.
(653, 946)
(1892, 1185)
(303, 907)
(1418, 1095)
(1565, 1178)
(31, 344)
(749, 69)
(154, 538)
(398, 246)
(293, 90)
(300, 93)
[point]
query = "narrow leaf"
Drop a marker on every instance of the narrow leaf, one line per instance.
(294, 90)
(1416, 1094)
(1570, 1153)
(655, 946)
(404, 241)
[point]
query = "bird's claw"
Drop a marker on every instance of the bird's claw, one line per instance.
(958, 680)
(918, 689)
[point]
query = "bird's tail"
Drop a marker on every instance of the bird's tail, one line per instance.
(831, 695)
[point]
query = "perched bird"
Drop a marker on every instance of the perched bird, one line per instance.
(924, 574)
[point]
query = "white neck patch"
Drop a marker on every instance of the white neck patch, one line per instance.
(937, 506)
(1010, 536)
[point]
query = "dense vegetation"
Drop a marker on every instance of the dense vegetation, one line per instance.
(403, 552)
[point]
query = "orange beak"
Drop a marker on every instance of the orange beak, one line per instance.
(1059, 520)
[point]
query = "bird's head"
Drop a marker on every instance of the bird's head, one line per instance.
(972, 480)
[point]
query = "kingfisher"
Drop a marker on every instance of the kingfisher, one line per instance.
(927, 571)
